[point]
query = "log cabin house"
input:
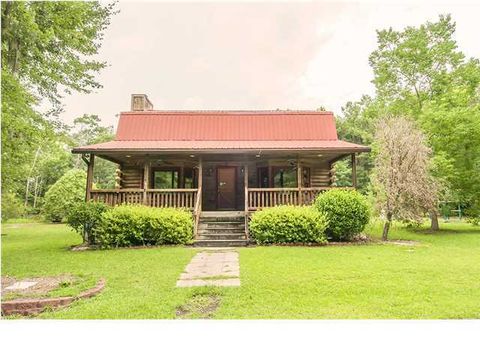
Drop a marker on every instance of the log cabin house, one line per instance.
(221, 165)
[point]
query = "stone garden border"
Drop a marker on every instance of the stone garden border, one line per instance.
(35, 306)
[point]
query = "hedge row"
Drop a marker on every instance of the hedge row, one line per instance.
(337, 215)
(288, 224)
(131, 225)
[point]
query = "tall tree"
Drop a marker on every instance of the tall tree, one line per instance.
(410, 66)
(357, 124)
(88, 130)
(420, 73)
(50, 45)
(48, 48)
(402, 182)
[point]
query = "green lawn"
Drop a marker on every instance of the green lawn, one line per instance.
(438, 278)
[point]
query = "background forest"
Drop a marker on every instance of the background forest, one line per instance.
(48, 50)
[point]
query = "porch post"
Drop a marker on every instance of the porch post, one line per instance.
(181, 177)
(270, 176)
(200, 181)
(90, 164)
(245, 184)
(299, 182)
(146, 177)
(354, 170)
(200, 173)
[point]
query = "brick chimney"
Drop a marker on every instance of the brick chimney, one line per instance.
(140, 102)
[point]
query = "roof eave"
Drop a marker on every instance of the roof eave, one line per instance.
(209, 150)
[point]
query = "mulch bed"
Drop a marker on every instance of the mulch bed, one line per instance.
(27, 307)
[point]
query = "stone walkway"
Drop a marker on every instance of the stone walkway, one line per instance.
(212, 267)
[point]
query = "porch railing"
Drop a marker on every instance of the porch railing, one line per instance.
(258, 198)
(181, 198)
(118, 196)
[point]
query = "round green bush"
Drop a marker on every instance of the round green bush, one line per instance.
(347, 212)
(65, 194)
(131, 225)
(85, 217)
(288, 224)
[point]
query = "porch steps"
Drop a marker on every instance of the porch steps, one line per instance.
(221, 229)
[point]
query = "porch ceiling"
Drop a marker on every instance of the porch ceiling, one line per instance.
(192, 158)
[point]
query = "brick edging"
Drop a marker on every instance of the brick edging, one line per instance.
(35, 306)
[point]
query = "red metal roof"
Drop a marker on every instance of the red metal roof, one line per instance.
(204, 130)
(222, 125)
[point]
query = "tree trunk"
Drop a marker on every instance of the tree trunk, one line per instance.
(386, 227)
(27, 191)
(86, 239)
(35, 192)
(434, 221)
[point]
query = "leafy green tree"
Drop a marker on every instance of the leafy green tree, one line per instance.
(357, 124)
(411, 66)
(52, 159)
(420, 73)
(47, 49)
(22, 131)
(88, 130)
(49, 45)
(452, 122)
(65, 195)
(12, 206)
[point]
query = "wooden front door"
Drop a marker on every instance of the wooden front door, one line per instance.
(226, 176)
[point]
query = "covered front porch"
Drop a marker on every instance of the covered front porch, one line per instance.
(212, 181)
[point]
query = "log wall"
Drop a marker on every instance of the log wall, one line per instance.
(131, 177)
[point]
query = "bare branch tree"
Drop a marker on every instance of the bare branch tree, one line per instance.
(401, 179)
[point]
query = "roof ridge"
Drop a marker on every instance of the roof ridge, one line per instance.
(256, 112)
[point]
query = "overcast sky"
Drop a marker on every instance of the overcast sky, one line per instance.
(250, 55)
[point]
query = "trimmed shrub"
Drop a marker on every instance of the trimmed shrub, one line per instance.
(85, 217)
(131, 225)
(287, 225)
(66, 193)
(347, 212)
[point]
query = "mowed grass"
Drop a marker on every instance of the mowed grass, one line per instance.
(140, 282)
(439, 278)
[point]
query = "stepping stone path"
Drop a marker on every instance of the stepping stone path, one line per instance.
(215, 267)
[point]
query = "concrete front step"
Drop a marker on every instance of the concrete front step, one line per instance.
(220, 232)
(221, 228)
(211, 219)
(237, 236)
(213, 230)
(220, 243)
(221, 225)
